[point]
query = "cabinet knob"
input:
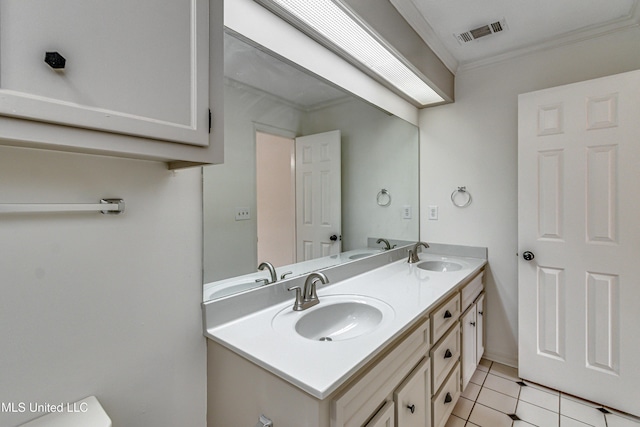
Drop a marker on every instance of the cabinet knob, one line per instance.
(472, 323)
(412, 408)
(447, 354)
(447, 314)
(55, 60)
(481, 313)
(448, 398)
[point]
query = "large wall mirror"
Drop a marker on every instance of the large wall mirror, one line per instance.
(312, 175)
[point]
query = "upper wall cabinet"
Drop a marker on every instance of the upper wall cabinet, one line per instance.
(137, 70)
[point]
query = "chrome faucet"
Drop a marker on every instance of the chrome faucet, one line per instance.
(272, 271)
(308, 297)
(413, 253)
(386, 243)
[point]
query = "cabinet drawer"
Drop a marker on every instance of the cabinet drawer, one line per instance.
(444, 356)
(471, 291)
(354, 406)
(444, 317)
(444, 401)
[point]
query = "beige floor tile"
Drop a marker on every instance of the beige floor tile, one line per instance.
(502, 385)
(454, 421)
(615, 420)
(478, 377)
(581, 411)
(536, 415)
(540, 398)
(486, 417)
(463, 408)
(484, 364)
(570, 422)
(471, 391)
(504, 371)
(498, 401)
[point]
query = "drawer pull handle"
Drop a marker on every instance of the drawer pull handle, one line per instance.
(448, 398)
(447, 354)
(447, 314)
(55, 60)
(472, 323)
(412, 408)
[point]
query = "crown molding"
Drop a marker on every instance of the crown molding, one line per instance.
(632, 20)
(414, 18)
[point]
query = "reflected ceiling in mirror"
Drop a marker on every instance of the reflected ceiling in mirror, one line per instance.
(252, 201)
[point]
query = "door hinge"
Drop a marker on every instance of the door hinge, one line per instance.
(209, 120)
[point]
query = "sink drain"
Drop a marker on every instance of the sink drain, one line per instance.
(326, 339)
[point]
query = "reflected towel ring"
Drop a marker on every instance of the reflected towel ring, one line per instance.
(462, 190)
(383, 198)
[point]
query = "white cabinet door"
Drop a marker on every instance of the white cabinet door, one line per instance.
(479, 328)
(384, 418)
(578, 208)
(137, 68)
(468, 323)
(413, 398)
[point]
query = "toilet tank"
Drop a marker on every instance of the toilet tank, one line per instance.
(84, 413)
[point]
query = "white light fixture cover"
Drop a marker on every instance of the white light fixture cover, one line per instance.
(337, 25)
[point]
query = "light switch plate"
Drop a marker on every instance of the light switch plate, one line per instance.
(433, 213)
(242, 214)
(406, 212)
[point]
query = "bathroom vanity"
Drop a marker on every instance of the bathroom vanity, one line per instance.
(401, 356)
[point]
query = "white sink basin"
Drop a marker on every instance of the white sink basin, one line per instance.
(441, 266)
(335, 318)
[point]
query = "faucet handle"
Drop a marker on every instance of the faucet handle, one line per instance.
(299, 300)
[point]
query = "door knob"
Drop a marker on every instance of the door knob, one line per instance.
(333, 238)
(55, 60)
(528, 255)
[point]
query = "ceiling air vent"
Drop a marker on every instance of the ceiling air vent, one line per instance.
(485, 30)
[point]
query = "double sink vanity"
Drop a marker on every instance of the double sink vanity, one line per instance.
(387, 340)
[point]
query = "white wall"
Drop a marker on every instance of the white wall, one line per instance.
(473, 143)
(230, 245)
(102, 305)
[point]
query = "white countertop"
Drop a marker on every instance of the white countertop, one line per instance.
(320, 367)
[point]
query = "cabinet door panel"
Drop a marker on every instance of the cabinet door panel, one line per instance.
(480, 328)
(384, 418)
(133, 67)
(412, 398)
(469, 361)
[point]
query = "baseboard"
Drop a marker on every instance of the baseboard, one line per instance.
(501, 358)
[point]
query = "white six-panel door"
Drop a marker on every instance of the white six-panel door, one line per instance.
(318, 195)
(579, 215)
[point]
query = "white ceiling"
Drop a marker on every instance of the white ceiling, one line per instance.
(532, 24)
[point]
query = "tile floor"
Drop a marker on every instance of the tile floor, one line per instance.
(496, 397)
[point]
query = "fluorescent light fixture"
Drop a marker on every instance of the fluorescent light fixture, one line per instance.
(337, 27)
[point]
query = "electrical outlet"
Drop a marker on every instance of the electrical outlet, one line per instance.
(242, 214)
(433, 213)
(406, 212)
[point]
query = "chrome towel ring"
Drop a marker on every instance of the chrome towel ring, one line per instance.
(383, 198)
(465, 198)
